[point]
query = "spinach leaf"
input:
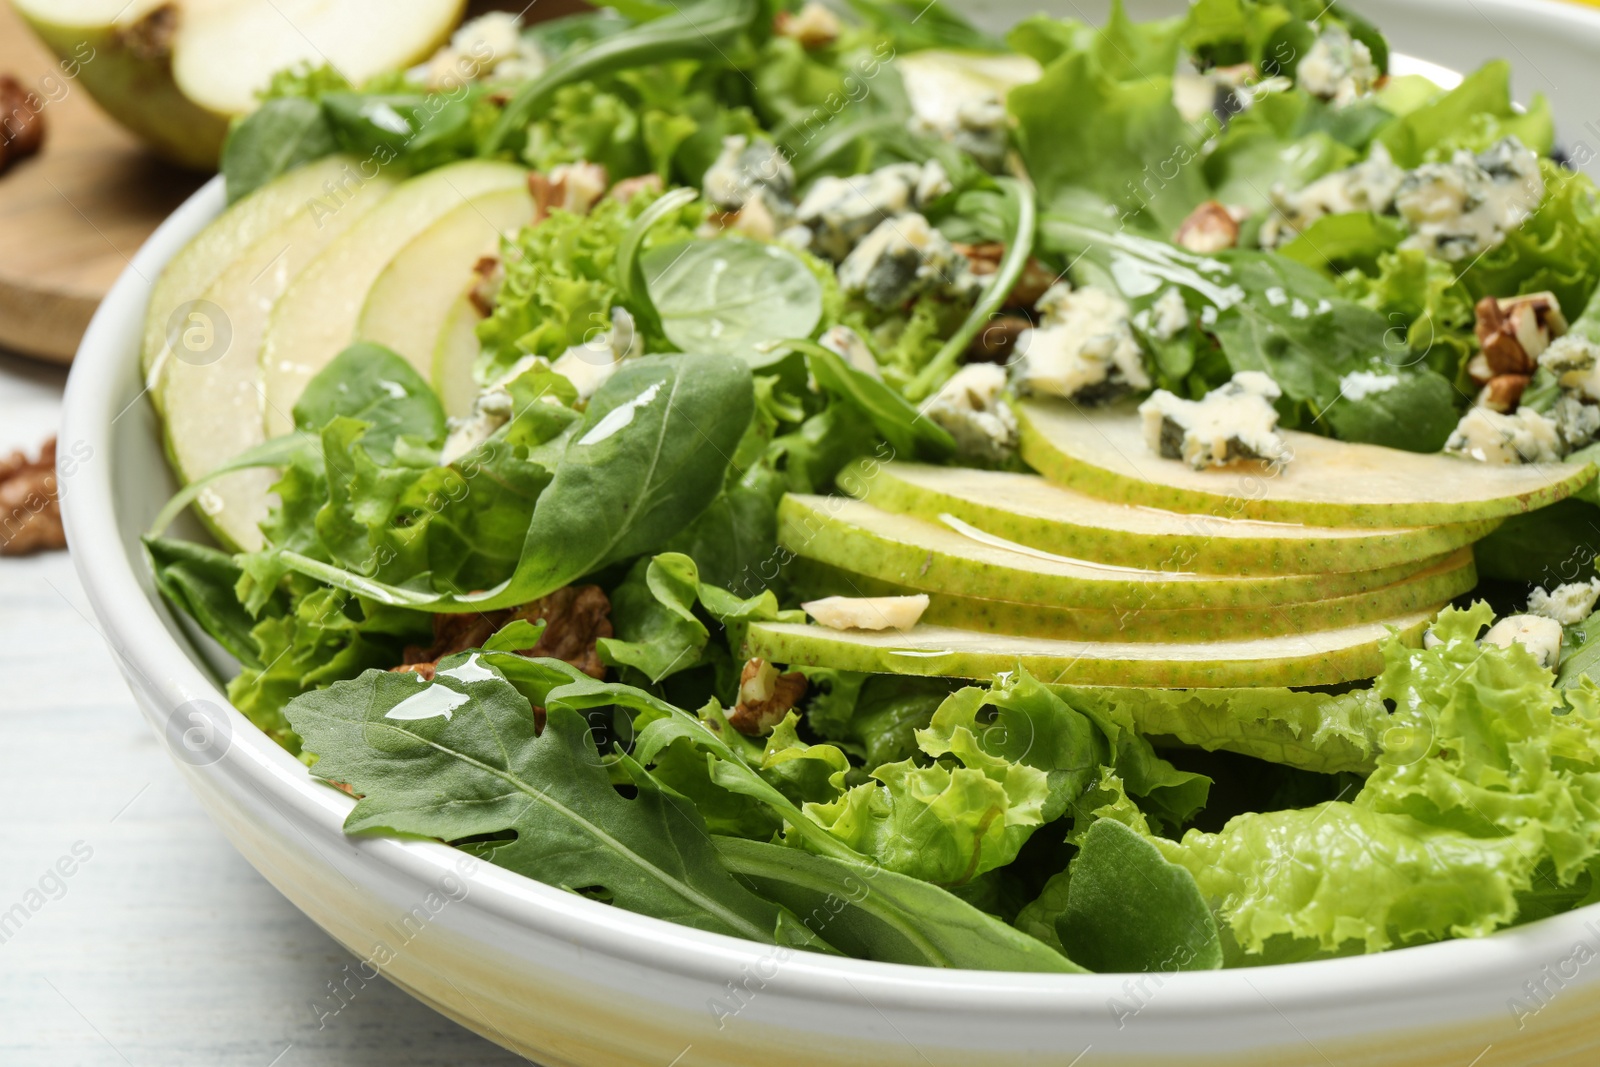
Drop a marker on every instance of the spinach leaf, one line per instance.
(1128, 909)
(731, 296)
(469, 735)
(377, 386)
(277, 137)
(873, 913)
(650, 455)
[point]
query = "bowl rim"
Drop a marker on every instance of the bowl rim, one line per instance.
(135, 627)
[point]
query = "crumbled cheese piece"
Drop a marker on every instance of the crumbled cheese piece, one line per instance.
(867, 613)
(1368, 186)
(491, 410)
(1338, 68)
(1491, 437)
(848, 344)
(1360, 384)
(902, 257)
(1578, 423)
(1567, 604)
(1083, 346)
(814, 25)
(489, 44)
(1169, 315)
(1460, 209)
(1575, 361)
(978, 125)
(842, 212)
(746, 169)
(1539, 635)
(969, 407)
(1232, 422)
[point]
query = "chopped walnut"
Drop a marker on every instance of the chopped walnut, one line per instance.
(572, 187)
(575, 618)
(1211, 227)
(150, 36)
(814, 26)
(488, 273)
(628, 188)
(765, 697)
(1503, 392)
(984, 259)
(21, 122)
(997, 341)
(1515, 331)
(30, 513)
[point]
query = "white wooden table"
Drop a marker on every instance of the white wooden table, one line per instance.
(163, 948)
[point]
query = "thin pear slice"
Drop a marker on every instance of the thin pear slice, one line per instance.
(1029, 510)
(176, 71)
(316, 318)
(1442, 582)
(412, 301)
(1328, 657)
(454, 353)
(935, 558)
(228, 237)
(1102, 452)
(213, 409)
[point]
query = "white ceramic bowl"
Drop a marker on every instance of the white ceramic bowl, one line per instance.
(565, 980)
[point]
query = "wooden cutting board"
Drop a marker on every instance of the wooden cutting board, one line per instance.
(72, 216)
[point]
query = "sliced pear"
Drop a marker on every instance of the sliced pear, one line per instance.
(227, 238)
(1102, 452)
(1029, 510)
(413, 304)
(213, 409)
(936, 558)
(454, 353)
(1329, 657)
(1442, 582)
(176, 71)
(316, 318)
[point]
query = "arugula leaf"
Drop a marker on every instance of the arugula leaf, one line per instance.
(731, 296)
(200, 582)
(873, 913)
(402, 744)
(886, 409)
(1129, 909)
(652, 612)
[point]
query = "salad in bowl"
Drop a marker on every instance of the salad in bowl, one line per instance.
(1095, 499)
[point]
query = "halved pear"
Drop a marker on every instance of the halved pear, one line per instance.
(1328, 657)
(213, 409)
(454, 353)
(414, 302)
(1029, 510)
(1102, 452)
(1447, 579)
(316, 317)
(175, 72)
(936, 558)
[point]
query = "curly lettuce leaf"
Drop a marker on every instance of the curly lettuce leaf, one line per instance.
(1487, 786)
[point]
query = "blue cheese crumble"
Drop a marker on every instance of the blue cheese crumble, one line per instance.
(1525, 436)
(1083, 346)
(1232, 422)
(970, 408)
(1338, 68)
(1567, 604)
(901, 258)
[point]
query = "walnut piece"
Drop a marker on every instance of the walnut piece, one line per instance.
(984, 259)
(30, 513)
(997, 341)
(488, 274)
(21, 122)
(1503, 392)
(571, 187)
(575, 618)
(1211, 227)
(814, 26)
(765, 697)
(1514, 331)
